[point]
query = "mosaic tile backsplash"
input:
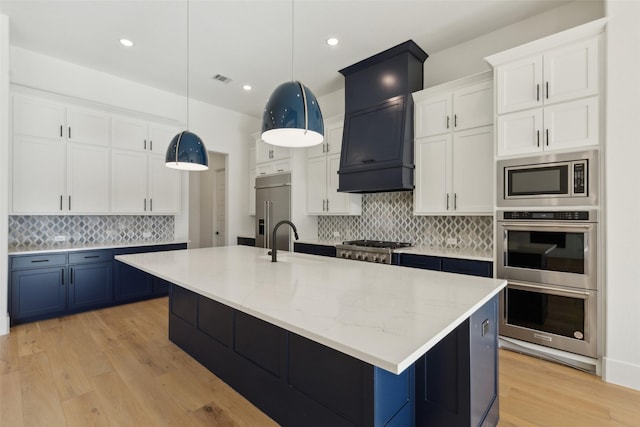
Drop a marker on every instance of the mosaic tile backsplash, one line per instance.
(389, 216)
(40, 230)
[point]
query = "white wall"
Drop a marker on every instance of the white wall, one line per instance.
(622, 203)
(4, 171)
(467, 58)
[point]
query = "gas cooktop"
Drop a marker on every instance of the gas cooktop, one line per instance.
(369, 250)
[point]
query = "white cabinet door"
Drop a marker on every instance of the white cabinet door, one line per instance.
(316, 185)
(165, 186)
(265, 169)
(571, 72)
(283, 165)
(432, 174)
(128, 134)
(571, 124)
(38, 175)
(433, 115)
(88, 126)
(160, 137)
(318, 150)
(87, 179)
(280, 153)
(473, 106)
(38, 117)
(252, 191)
(520, 133)
(128, 182)
(333, 137)
(519, 85)
(340, 203)
(263, 152)
(472, 183)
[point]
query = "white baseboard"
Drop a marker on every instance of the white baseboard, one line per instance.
(4, 325)
(621, 373)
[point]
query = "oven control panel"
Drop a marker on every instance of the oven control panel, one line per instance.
(547, 215)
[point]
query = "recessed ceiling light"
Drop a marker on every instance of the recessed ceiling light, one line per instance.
(332, 41)
(126, 42)
(246, 87)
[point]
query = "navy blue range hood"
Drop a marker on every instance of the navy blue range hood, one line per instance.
(377, 141)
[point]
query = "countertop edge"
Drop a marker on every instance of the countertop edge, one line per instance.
(28, 250)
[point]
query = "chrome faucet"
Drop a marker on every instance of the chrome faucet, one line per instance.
(273, 237)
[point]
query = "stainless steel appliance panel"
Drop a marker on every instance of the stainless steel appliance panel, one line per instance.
(551, 316)
(555, 252)
(557, 179)
(273, 204)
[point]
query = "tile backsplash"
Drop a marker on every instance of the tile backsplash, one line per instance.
(389, 216)
(41, 230)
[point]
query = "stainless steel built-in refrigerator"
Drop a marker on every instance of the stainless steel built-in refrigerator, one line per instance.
(273, 204)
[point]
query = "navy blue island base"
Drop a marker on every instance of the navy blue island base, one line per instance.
(299, 382)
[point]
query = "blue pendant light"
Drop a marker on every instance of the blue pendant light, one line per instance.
(186, 150)
(292, 116)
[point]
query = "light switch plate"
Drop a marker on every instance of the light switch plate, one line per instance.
(60, 238)
(336, 234)
(452, 241)
(146, 234)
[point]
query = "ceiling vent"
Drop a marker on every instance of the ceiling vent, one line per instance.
(221, 78)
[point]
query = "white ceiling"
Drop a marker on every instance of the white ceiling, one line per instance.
(248, 41)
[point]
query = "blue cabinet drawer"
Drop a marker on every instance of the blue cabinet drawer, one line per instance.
(421, 261)
(467, 266)
(90, 257)
(37, 261)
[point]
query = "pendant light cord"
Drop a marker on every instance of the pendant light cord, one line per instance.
(188, 44)
(293, 33)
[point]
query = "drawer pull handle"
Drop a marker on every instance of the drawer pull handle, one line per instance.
(92, 256)
(40, 260)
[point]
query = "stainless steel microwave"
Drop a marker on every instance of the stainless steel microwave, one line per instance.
(564, 179)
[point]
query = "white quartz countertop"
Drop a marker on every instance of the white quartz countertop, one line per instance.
(462, 253)
(381, 314)
(70, 247)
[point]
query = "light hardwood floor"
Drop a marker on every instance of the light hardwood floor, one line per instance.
(116, 367)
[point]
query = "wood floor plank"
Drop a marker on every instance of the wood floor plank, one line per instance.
(119, 403)
(40, 401)
(9, 357)
(29, 339)
(11, 400)
(85, 410)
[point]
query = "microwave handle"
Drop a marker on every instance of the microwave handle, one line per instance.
(548, 288)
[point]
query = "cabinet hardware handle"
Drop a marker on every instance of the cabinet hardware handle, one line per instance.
(547, 131)
(92, 256)
(455, 201)
(327, 205)
(62, 270)
(485, 327)
(69, 202)
(61, 202)
(151, 205)
(447, 122)
(547, 90)
(538, 92)
(71, 276)
(40, 260)
(455, 120)
(69, 132)
(145, 205)
(150, 145)
(280, 170)
(60, 131)
(328, 147)
(145, 144)
(538, 137)
(447, 201)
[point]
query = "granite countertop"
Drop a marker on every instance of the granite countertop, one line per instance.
(379, 314)
(70, 247)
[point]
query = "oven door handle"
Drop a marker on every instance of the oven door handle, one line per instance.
(553, 289)
(527, 226)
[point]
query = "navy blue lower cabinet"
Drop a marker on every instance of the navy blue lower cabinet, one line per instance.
(38, 293)
(424, 262)
(456, 381)
(308, 248)
(246, 241)
(131, 283)
(468, 266)
(299, 382)
(90, 285)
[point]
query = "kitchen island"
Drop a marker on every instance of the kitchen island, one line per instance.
(323, 341)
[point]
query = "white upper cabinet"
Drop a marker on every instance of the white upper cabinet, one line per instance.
(43, 118)
(87, 179)
(438, 112)
(454, 148)
(323, 163)
(164, 189)
(139, 135)
(129, 182)
(160, 137)
(267, 152)
(558, 75)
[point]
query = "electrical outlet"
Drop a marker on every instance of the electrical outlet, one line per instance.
(452, 241)
(60, 238)
(336, 234)
(146, 234)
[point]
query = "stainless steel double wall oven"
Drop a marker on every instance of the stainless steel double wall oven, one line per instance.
(547, 250)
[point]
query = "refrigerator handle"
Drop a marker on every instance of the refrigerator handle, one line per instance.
(267, 220)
